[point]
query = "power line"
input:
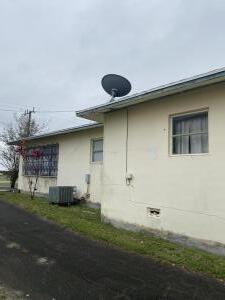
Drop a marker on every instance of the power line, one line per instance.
(40, 111)
(1, 109)
(19, 107)
(55, 111)
(14, 105)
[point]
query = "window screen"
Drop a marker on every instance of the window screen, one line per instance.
(190, 134)
(46, 165)
(97, 150)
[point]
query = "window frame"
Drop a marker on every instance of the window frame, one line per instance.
(92, 148)
(171, 136)
(41, 147)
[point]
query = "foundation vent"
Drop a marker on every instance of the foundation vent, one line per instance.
(153, 212)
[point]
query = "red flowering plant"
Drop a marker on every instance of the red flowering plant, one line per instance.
(32, 167)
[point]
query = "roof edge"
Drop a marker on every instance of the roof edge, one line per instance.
(176, 87)
(58, 132)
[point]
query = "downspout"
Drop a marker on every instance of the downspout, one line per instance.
(127, 132)
(128, 176)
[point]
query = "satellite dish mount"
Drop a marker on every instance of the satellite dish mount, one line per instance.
(115, 85)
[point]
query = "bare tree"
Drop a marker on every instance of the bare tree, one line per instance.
(21, 127)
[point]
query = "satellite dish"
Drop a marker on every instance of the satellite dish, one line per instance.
(116, 85)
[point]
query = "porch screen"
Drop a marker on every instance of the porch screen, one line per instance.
(190, 133)
(46, 164)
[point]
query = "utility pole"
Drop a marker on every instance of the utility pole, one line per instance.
(29, 113)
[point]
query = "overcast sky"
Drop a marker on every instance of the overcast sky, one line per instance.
(53, 53)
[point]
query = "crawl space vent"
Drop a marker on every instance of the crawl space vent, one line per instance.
(153, 212)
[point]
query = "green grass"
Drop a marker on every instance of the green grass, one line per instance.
(4, 181)
(7, 294)
(88, 222)
(4, 178)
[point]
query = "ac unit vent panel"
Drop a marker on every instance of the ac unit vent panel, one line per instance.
(61, 194)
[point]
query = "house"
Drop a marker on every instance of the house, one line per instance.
(68, 156)
(164, 166)
(163, 161)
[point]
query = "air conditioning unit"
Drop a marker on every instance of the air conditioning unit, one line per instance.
(61, 194)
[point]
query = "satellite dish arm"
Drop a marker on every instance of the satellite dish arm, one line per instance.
(113, 94)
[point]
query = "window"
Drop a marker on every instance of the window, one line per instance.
(97, 150)
(45, 165)
(190, 133)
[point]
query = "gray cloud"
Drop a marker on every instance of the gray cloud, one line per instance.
(54, 53)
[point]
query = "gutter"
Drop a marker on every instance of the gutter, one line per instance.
(155, 93)
(58, 132)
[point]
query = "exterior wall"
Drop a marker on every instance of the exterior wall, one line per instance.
(43, 182)
(188, 189)
(74, 162)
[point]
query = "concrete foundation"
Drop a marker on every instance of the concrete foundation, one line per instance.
(209, 246)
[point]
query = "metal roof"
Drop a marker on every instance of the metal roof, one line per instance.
(96, 113)
(59, 132)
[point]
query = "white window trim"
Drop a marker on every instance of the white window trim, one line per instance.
(170, 133)
(91, 152)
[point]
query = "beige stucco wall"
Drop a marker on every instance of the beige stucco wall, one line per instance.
(189, 189)
(74, 162)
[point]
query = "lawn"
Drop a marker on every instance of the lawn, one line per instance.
(4, 182)
(7, 294)
(87, 221)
